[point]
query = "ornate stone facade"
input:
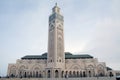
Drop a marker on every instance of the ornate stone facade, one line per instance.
(89, 67)
(56, 63)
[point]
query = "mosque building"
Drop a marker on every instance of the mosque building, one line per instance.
(56, 63)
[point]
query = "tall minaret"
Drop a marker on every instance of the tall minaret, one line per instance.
(56, 56)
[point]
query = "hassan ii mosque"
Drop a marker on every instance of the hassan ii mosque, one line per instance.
(56, 63)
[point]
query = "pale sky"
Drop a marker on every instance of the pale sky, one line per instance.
(90, 26)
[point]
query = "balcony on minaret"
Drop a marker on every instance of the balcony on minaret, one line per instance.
(56, 9)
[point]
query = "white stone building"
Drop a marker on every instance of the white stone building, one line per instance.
(57, 63)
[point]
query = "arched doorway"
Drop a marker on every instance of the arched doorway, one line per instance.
(30, 74)
(22, 71)
(111, 74)
(89, 73)
(36, 74)
(12, 71)
(84, 75)
(40, 75)
(56, 74)
(77, 73)
(74, 74)
(20, 74)
(48, 74)
(25, 74)
(80, 73)
(62, 74)
(33, 74)
(70, 74)
(101, 73)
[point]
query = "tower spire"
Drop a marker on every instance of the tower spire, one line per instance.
(56, 9)
(56, 4)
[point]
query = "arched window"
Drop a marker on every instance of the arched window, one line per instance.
(59, 60)
(51, 60)
(60, 46)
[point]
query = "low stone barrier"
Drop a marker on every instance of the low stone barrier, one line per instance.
(88, 78)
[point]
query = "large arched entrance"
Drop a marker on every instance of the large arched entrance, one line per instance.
(101, 71)
(13, 71)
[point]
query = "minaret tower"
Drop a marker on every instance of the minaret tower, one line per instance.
(56, 55)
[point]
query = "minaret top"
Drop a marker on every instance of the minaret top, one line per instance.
(55, 4)
(56, 9)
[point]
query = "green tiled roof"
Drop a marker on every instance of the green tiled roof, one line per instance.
(108, 68)
(68, 55)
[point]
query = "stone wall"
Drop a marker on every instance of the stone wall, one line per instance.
(92, 78)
